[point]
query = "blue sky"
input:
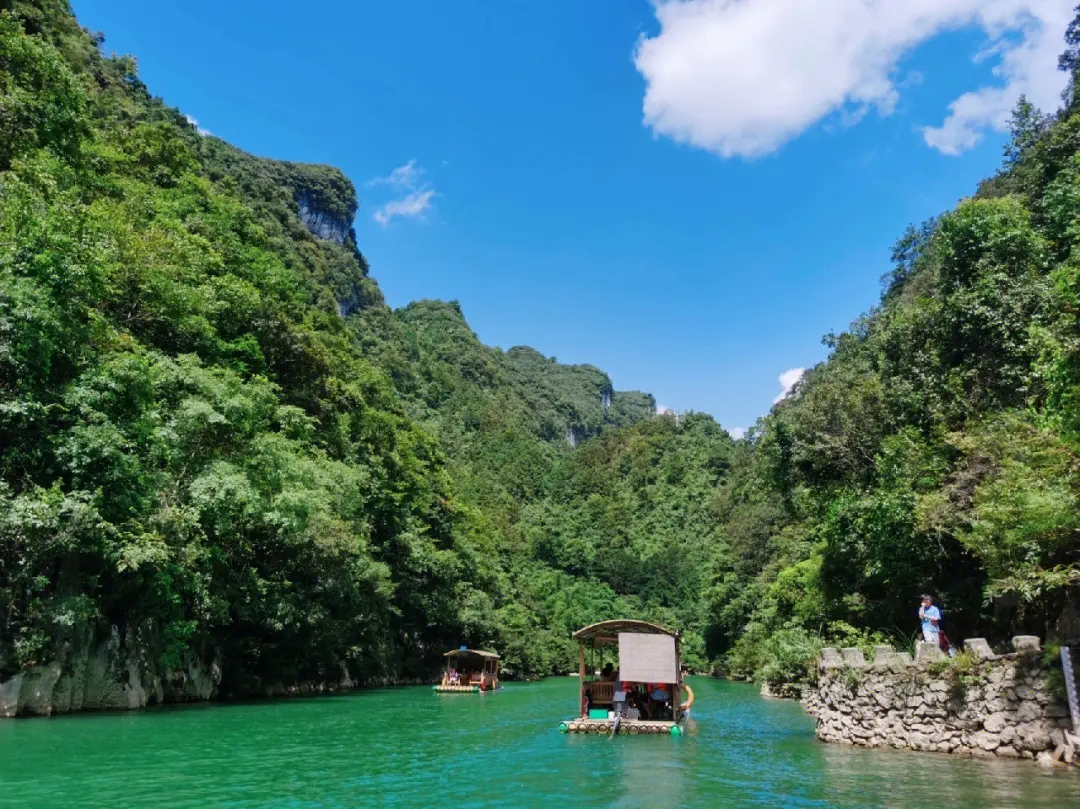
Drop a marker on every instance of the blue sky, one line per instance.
(686, 195)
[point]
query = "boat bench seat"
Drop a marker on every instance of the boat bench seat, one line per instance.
(601, 692)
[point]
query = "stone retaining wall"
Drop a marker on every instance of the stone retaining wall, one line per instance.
(980, 704)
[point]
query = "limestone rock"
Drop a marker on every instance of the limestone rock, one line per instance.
(1006, 711)
(830, 659)
(853, 657)
(321, 223)
(1026, 643)
(1028, 711)
(1034, 736)
(927, 652)
(979, 649)
(985, 741)
(9, 696)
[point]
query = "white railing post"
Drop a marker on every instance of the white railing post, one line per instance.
(1070, 687)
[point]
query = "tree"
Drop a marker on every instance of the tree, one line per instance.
(1069, 61)
(1026, 126)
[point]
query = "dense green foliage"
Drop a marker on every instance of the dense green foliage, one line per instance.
(217, 437)
(193, 443)
(938, 447)
(573, 532)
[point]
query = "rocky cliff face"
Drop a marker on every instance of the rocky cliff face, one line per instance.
(96, 673)
(321, 222)
(118, 671)
(984, 705)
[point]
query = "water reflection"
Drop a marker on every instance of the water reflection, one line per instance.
(650, 771)
(896, 778)
(408, 748)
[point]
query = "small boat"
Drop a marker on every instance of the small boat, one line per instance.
(638, 691)
(469, 671)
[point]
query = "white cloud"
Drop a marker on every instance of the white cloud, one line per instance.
(191, 120)
(788, 380)
(661, 409)
(412, 205)
(1026, 67)
(737, 432)
(407, 176)
(743, 77)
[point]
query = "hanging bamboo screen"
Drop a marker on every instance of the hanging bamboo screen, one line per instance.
(646, 658)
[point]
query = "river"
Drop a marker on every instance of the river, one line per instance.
(409, 747)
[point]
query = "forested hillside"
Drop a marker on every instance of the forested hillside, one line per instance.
(937, 448)
(216, 437)
(219, 440)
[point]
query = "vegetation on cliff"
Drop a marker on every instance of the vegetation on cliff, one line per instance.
(215, 430)
(937, 448)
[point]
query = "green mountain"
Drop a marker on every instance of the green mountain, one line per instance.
(228, 467)
(938, 447)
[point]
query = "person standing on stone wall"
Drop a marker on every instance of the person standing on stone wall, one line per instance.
(931, 619)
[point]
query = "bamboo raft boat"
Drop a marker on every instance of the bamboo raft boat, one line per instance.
(469, 671)
(641, 696)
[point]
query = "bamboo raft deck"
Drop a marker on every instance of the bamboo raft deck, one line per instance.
(634, 727)
(479, 675)
(648, 674)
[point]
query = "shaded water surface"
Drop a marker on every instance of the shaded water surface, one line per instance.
(409, 747)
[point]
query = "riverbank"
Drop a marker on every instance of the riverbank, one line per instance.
(119, 673)
(979, 705)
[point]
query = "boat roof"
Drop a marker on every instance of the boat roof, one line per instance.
(608, 631)
(473, 652)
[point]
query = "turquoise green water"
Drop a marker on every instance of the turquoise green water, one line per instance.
(409, 747)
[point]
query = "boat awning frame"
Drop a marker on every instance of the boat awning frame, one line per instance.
(606, 633)
(472, 653)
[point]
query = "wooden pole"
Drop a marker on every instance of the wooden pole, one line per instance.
(581, 678)
(676, 691)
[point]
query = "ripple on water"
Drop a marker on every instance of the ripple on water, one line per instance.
(408, 747)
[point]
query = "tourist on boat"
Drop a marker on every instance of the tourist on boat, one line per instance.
(659, 697)
(608, 673)
(455, 678)
(637, 698)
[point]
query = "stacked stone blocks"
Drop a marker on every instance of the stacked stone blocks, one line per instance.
(983, 705)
